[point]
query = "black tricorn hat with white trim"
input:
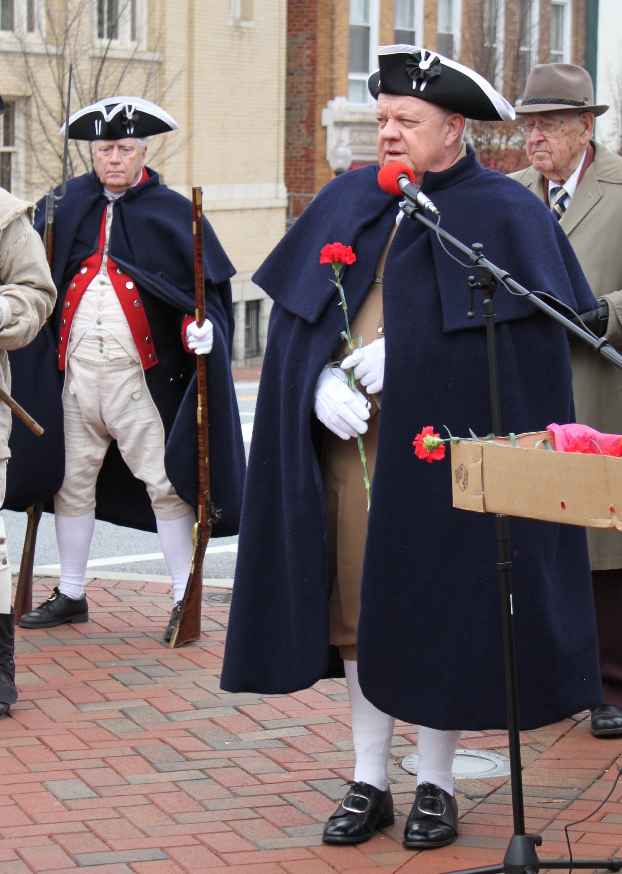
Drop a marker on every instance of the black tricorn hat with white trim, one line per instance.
(115, 118)
(414, 72)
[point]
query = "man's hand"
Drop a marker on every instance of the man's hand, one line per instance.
(596, 320)
(342, 410)
(368, 364)
(200, 340)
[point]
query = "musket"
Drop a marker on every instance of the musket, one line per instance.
(188, 626)
(23, 590)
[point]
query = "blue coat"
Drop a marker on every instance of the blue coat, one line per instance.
(430, 649)
(151, 240)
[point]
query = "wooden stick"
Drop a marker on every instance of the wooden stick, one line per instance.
(189, 623)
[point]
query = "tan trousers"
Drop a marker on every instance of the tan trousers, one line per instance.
(109, 400)
(346, 502)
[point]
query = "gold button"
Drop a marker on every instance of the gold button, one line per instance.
(129, 284)
(83, 269)
(136, 303)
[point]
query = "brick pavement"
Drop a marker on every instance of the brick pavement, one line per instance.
(124, 757)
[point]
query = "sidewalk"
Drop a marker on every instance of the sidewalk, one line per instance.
(124, 757)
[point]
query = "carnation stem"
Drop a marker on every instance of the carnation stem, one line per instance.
(351, 379)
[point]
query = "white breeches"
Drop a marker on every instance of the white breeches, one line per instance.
(105, 400)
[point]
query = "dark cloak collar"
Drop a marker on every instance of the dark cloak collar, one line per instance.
(476, 204)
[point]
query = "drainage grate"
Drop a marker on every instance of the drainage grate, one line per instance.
(468, 764)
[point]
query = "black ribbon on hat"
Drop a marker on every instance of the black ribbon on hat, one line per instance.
(423, 74)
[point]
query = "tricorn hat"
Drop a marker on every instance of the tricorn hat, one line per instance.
(551, 87)
(414, 72)
(115, 118)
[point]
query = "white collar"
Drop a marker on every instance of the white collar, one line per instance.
(570, 185)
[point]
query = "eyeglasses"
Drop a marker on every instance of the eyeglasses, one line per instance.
(547, 126)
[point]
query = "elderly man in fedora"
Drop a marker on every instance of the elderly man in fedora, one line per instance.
(581, 181)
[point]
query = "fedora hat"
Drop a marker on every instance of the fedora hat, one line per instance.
(551, 87)
(411, 71)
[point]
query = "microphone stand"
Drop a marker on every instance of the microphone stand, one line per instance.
(521, 856)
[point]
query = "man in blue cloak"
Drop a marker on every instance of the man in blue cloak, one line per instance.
(124, 339)
(407, 594)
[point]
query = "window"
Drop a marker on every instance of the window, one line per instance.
(448, 28)
(31, 20)
(242, 11)
(120, 21)
(492, 55)
(409, 22)
(528, 40)
(7, 146)
(20, 16)
(252, 346)
(363, 44)
(560, 31)
(7, 14)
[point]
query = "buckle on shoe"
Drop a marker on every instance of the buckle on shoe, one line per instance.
(349, 803)
(434, 800)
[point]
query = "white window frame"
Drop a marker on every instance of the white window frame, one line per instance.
(499, 43)
(237, 18)
(533, 39)
(372, 62)
(417, 23)
(17, 149)
(567, 36)
(124, 39)
(20, 13)
(456, 23)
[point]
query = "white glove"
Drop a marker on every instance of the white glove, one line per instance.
(368, 364)
(342, 410)
(200, 340)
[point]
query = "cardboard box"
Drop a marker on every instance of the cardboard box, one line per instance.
(531, 481)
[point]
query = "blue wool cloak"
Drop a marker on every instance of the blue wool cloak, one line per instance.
(151, 240)
(430, 648)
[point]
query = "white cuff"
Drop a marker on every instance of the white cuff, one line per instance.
(5, 312)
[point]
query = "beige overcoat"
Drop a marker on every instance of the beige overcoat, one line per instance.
(593, 223)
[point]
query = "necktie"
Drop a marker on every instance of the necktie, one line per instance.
(558, 198)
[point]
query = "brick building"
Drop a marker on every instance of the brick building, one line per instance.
(330, 119)
(218, 67)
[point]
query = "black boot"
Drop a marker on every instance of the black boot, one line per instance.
(8, 692)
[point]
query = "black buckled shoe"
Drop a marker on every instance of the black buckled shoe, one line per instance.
(362, 812)
(607, 721)
(57, 610)
(433, 820)
(172, 622)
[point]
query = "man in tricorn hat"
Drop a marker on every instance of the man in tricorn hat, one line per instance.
(27, 296)
(125, 338)
(407, 594)
(581, 181)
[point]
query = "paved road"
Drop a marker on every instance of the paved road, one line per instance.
(123, 553)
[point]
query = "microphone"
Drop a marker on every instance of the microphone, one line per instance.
(398, 179)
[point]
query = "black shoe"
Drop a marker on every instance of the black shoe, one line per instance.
(433, 820)
(607, 721)
(57, 610)
(172, 622)
(362, 812)
(8, 691)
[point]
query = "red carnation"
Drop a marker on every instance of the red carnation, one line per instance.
(429, 445)
(337, 253)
